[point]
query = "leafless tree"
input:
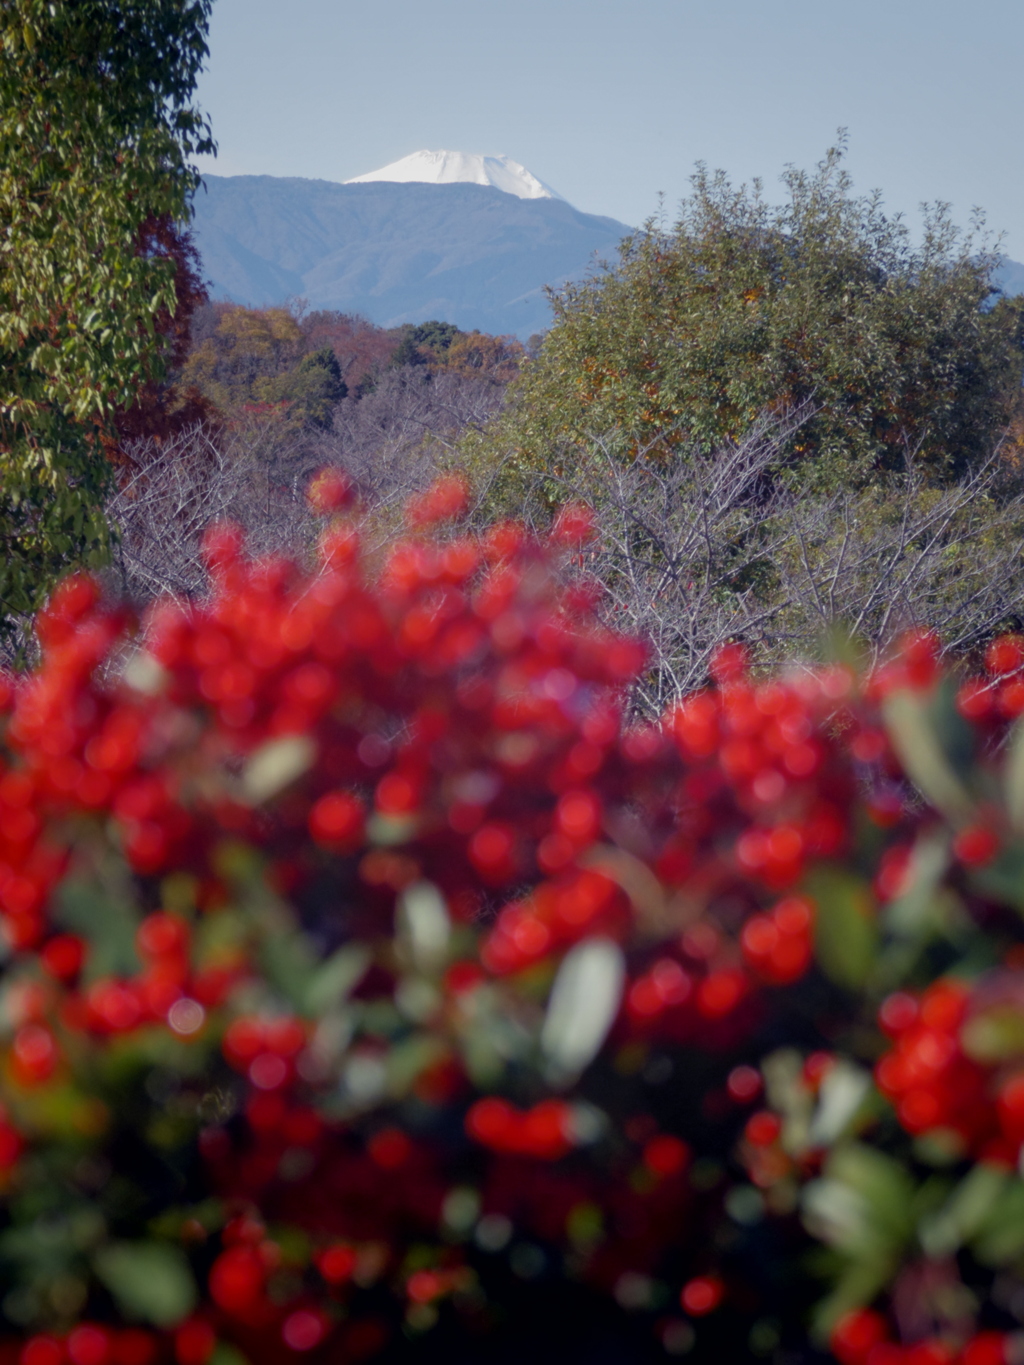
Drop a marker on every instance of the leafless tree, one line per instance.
(390, 442)
(692, 549)
(866, 566)
(697, 549)
(176, 490)
(392, 439)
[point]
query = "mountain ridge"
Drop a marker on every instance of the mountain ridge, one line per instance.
(474, 255)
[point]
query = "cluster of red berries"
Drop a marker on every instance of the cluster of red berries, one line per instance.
(999, 695)
(95, 1343)
(863, 1337)
(765, 742)
(557, 914)
(935, 1077)
(545, 1131)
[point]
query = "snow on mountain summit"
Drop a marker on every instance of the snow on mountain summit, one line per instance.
(470, 168)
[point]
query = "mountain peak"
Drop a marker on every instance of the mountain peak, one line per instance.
(468, 168)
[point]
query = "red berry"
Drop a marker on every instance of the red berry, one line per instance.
(763, 1128)
(162, 935)
(329, 490)
(336, 1264)
(134, 1346)
(702, 1295)
(976, 699)
(744, 1084)
(491, 1122)
(976, 845)
(236, 1280)
(987, 1348)
(42, 1350)
(729, 662)
(389, 1149)
(666, 1155)
(63, 956)
(194, 1342)
(1010, 1105)
(720, 992)
(1004, 655)
(304, 1329)
(34, 1054)
(897, 1013)
(855, 1334)
(337, 821)
(88, 1345)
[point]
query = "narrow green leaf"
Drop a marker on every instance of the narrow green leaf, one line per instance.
(1014, 777)
(149, 1280)
(917, 745)
(846, 932)
(334, 979)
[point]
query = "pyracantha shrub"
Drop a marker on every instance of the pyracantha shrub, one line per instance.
(369, 977)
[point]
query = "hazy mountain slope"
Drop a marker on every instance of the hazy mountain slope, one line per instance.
(467, 254)
(1010, 276)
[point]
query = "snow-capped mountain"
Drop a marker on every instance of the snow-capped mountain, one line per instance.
(462, 168)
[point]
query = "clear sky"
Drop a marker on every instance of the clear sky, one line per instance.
(613, 101)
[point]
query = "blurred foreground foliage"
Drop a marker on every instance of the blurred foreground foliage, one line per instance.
(373, 987)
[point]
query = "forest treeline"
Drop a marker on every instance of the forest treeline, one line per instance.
(796, 422)
(795, 426)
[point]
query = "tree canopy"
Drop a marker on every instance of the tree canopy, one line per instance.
(97, 128)
(318, 388)
(744, 307)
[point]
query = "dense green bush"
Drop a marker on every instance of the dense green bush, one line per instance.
(743, 308)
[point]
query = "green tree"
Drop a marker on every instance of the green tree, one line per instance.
(743, 307)
(97, 128)
(426, 342)
(245, 359)
(252, 364)
(317, 388)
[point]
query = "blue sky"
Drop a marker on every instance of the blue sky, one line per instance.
(613, 101)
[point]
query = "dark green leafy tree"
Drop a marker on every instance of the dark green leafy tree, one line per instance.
(743, 308)
(97, 128)
(427, 341)
(318, 388)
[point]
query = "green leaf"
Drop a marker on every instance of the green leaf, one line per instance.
(913, 736)
(1000, 1238)
(881, 1180)
(334, 979)
(1003, 879)
(1013, 777)
(225, 1354)
(289, 962)
(918, 908)
(149, 1280)
(108, 921)
(846, 932)
(858, 1285)
(276, 765)
(994, 1036)
(425, 924)
(964, 1212)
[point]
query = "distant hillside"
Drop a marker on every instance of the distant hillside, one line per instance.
(1010, 277)
(468, 254)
